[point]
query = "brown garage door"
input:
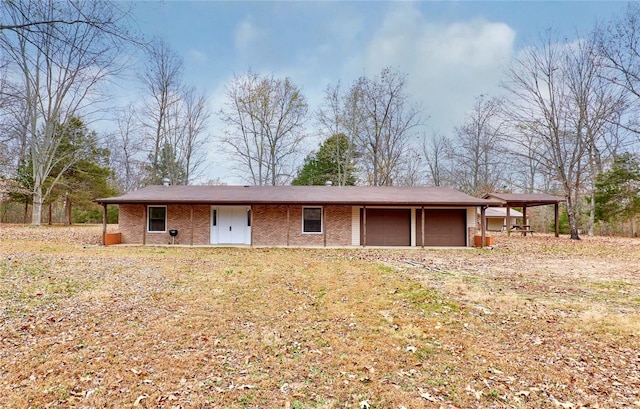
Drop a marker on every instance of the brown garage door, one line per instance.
(386, 227)
(442, 227)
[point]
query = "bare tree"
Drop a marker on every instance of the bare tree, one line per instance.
(126, 156)
(162, 80)
(264, 119)
(339, 115)
(195, 117)
(479, 158)
(434, 150)
(57, 68)
(600, 105)
(617, 46)
(559, 103)
(386, 119)
(78, 17)
(410, 171)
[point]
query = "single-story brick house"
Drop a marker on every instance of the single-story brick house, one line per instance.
(298, 216)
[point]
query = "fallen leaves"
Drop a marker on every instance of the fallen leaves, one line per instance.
(162, 327)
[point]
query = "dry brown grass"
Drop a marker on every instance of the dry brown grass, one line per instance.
(534, 323)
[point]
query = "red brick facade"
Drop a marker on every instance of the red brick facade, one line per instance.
(270, 226)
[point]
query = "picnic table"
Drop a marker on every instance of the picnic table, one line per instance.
(522, 228)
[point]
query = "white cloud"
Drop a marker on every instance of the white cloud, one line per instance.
(448, 64)
(246, 34)
(197, 56)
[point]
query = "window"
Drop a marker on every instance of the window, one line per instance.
(157, 219)
(214, 217)
(312, 220)
(249, 218)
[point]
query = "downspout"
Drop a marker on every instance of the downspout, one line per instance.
(288, 223)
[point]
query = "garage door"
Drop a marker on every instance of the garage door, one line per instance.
(386, 227)
(442, 227)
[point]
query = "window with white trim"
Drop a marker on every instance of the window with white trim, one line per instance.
(157, 219)
(312, 220)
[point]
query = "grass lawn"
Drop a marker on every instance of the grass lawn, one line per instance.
(534, 323)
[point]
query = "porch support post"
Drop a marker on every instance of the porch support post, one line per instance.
(524, 218)
(324, 227)
(104, 221)
(422, 226)
(508, 221)
(288, 220)
(483, 225)
(364, 226)
(557, 217)
(144, 224)
(251, 220)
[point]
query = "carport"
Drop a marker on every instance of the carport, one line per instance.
(525, 200)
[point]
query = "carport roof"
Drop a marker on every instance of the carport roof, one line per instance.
(524, 199)
(308, 195)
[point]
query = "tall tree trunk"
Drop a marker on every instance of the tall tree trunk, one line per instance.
(572, 213)
(36, 210)
(592, 213)
(67, 208)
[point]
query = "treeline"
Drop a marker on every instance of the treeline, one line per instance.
(565, 122)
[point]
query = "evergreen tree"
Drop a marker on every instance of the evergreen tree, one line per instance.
(23, 182)
(328, 164)
(89, 176)
(618, 190)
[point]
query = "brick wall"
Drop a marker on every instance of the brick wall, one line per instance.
(201, 224)
(270, 227)
(132, 225)
(338, 225)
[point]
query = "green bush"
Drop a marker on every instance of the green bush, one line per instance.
(563, 223)
(95, 215)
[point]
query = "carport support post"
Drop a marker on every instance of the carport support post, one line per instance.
(104, 222)
(524, 218)
(508, 221)
(557, 216)
(422, 227)
(483, 225)
(364, 226)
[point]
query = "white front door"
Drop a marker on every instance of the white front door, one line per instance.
(230, 225)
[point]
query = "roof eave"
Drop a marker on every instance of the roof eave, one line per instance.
(296, 202)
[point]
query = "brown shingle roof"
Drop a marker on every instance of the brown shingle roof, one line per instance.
(502, 212)
(525, 199)
(346, 195)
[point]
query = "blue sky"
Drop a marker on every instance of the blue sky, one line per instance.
(451, 51)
